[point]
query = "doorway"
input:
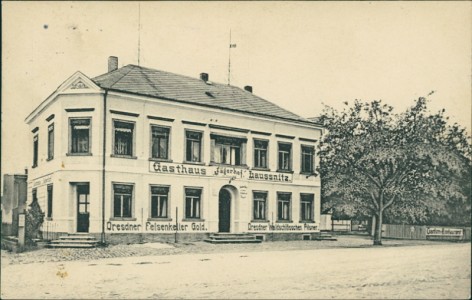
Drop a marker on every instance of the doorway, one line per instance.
(83, 207)
(224, 210)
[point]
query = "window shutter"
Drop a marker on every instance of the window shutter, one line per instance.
(243, 153)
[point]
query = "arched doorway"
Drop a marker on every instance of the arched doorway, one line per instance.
(224, 215)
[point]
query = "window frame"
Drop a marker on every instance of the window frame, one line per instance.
(290, 160)
(289, 219)
(133, 142)
(312, 210)
(167, 216)
(132, 217)
(266, 200)
(200, 161)
(151, 144)
(89, 152)
(267, 150)
(302, 171)
(50, 141)
(200, 211)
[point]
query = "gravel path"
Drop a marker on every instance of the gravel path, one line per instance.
(136, 250)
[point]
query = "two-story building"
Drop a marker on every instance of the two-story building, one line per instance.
(140, 154)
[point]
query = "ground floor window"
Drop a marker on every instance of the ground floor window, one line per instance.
(283, 206)
(49, 211)
(122, 203)
(159, 201)
(193, 203)
(260, 204)
(306, 207)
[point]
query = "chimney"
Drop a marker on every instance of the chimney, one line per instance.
(112, 63)
(204, 76)
(248, 88)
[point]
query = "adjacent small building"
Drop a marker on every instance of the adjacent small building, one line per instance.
(141, 154)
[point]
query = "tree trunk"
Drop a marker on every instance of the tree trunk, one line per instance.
(378, 230)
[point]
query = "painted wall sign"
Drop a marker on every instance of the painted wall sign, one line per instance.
(42, 181)
(441, 231)
(218, 171)
(150, 226)
(282, 227)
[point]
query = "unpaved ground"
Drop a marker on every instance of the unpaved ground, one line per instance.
(440, 271)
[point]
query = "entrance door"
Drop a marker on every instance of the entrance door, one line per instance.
(224, 211)
(83, 205)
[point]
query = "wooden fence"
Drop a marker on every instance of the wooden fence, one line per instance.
(417, 232)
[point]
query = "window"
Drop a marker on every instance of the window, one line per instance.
(124, 138)
(49, 212)
(285, 157)
(306, 207)
(159, 201)
(307, 159)
(228, 150)
(160, 142)
(122, 203)
(192, 203)
(260, 200)
(34, 195)
(35, 151)
(80, 136)
(193, 146)
(283, 206)
(51, 142)
(260, 154)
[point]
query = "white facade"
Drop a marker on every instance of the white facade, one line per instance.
(95, 175)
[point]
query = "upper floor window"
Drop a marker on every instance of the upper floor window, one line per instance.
(35, 151)
(283, 206)
(159, 201)
(193, 203)
(285, 156)
(122, 200)
(80, 136)
(123, 138)
(260, 153)
(193, 148)
(308, 153)
(260, 205)
(306, 207)
(160, 142)
(51, 142)
(228, 150)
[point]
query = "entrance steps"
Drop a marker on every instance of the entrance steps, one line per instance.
(324, 237)
(74, 240)
(235, 238)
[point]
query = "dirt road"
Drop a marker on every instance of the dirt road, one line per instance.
(440, 271)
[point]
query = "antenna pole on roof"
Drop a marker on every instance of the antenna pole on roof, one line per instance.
(229, 57)
(139, 32)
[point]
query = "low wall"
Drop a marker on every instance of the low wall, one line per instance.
(418, 232)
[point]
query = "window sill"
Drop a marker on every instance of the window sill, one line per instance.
(159, 219)
(307, 221)
(284, 221)
(78, 154)
(122, 219)
(259, 221)
(194, 163)
(34, 166)
(160, 159)
(308, 173)
(48, 219)
(229, 166)
(193, 220)
(260, 169)
(49, 158)
(124, 156)
(285, 171)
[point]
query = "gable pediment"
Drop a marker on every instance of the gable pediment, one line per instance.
(78, 83)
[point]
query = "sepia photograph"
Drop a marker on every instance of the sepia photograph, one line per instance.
(236, 149)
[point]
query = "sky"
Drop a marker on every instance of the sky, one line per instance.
(298, 55)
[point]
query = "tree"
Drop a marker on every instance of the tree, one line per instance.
(33, 221)
(407, 166)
